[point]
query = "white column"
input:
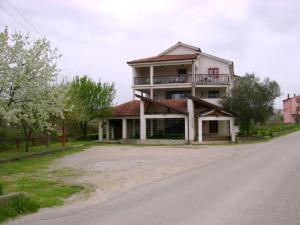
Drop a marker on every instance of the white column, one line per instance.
(190, 107)
(186, 137)
(193, 90)
(100, 131)
(232, 132)
(151, 93)
(124, 128)
(107, 129)
(142, 121)
(151, 74)
(200, 121)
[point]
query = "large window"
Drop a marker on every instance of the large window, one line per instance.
(213, 94)
(169, 128)
(176, 94)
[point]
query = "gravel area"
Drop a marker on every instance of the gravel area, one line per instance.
(115, 169)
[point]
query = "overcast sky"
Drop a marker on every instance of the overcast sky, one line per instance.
(98, 37)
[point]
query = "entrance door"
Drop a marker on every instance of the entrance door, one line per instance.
(213, 126)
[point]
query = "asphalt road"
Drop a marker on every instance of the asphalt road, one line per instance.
(259, 186)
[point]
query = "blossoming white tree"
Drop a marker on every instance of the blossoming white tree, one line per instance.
(29, 92)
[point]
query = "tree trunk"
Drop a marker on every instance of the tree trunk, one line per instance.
(27, 134)
(47, 140)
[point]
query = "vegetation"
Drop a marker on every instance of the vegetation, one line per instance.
(12, 152)
(270, 130)
(34, 103)
(89, 100)
(252, 101)
(29, 94)
(45, 187)
(16, 206)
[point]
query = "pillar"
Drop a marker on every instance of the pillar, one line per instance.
(190, 107)
(232, 131)
(151, 74)
(142, 121)
(151, 93)
(107, 129)
(100, 131)
(124, 128)
(200, 135)
(186, 129)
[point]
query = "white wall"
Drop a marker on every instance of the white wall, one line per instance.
(179, 50)
(204, 63)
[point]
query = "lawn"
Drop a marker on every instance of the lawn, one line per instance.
(45, 187)
(10, 153)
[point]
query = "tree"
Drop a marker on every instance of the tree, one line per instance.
(29, 93)
(251, 100)
(89, 100)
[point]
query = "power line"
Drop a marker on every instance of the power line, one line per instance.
(64, 58)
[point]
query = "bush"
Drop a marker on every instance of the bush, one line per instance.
(270, 130)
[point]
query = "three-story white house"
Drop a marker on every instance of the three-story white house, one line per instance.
(176, 96)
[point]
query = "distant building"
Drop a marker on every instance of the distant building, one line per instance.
(291, 109)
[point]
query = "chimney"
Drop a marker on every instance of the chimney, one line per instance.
(288, 96)
(294, 95)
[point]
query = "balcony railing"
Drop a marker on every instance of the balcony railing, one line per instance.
(171, 79)
(211, 79)
(184, 78)
(141, 80)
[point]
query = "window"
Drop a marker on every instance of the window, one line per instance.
(213, 71)
(213, 94)
(176, 94)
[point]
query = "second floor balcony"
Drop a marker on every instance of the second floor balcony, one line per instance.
(201, 79)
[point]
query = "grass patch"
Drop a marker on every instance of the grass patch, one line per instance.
(14, 152)
(17, 206)
(45, 187)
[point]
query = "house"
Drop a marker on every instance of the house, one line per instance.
(175, 96)
(291, 109)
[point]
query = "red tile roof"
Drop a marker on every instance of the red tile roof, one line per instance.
(164, 58)
(132, 108)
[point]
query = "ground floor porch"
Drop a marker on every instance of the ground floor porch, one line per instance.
(167, 128)
(185, 120)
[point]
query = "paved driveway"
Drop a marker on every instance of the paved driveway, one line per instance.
(238, 184)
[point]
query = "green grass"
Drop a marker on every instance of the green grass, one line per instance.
(17, 206)
(14, 152)
(45, 187)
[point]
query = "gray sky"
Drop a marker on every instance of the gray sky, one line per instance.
(98, 37)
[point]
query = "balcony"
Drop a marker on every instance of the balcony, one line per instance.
(141, 80)
(171, 79)
(211, 79)
(183, 79)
